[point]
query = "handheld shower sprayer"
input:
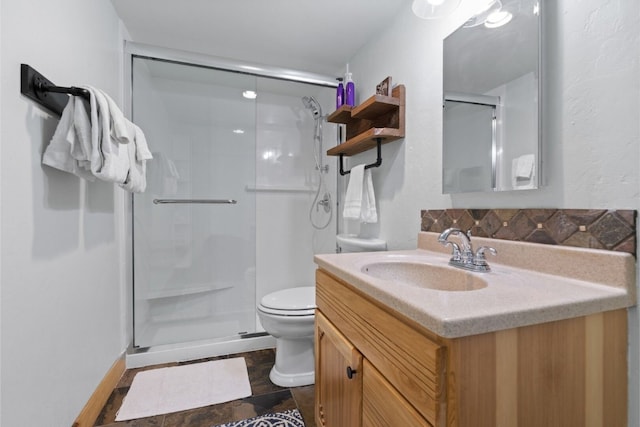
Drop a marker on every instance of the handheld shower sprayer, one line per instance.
(324, 200)
(312, 104)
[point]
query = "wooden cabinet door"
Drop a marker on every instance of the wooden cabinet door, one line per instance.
(382, 405)
(406, 357)
(338, 377)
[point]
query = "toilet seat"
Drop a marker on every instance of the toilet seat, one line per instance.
(290, 302)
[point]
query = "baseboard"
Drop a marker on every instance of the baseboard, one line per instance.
(96, 402)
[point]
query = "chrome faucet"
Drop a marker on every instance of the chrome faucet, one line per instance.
(462, 255)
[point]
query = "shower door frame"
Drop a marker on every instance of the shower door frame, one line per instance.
(136, 50)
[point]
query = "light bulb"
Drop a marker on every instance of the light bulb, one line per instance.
(249, 94)
(498, 19)
(433, 9)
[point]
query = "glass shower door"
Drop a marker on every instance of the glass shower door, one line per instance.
(469, 154)
(194, 227)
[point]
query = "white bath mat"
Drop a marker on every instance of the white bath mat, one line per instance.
(178, 388)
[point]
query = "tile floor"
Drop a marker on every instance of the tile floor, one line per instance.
(266, 398)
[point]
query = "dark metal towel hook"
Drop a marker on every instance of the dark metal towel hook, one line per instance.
(39, 89)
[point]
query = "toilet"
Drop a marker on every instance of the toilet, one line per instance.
(289, 314)
(353, 243)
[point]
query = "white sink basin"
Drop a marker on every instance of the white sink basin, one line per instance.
(532, 284)
(422, 275)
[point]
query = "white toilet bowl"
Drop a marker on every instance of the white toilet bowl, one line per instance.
(289, 315)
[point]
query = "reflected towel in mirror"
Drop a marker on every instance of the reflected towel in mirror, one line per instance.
(523, 172)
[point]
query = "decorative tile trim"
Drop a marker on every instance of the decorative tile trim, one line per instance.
(585, 228)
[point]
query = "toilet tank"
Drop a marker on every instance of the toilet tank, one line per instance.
(353, 243)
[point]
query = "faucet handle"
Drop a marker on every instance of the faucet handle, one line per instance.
(480, 259)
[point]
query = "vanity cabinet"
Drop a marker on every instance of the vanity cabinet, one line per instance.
(400, 370)
(569, 372)
(339, 363)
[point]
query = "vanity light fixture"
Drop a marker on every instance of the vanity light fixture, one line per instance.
(498, 19)
(434, 9)
(484, 12)
(249, 94)
(238, 131)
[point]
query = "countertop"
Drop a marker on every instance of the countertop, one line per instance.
(514, 296)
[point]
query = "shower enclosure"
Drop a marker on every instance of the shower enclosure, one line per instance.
(226, 215)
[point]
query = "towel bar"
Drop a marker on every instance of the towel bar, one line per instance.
(38, 88)
(377, 163)
(190, 201)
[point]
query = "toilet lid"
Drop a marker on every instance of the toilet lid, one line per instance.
(292, 299)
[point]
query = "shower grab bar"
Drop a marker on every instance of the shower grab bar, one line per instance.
(190, 201)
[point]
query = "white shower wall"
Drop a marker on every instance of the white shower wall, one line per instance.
(286, 182)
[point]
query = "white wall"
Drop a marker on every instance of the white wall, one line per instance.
(61, 292)
(591, 114)
(591, 118)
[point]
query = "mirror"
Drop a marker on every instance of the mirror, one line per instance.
(491, 105)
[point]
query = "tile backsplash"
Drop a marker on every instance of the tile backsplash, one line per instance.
(586, 228)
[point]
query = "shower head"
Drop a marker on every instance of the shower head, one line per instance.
(310, 103)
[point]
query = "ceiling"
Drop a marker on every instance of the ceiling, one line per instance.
(317, 36)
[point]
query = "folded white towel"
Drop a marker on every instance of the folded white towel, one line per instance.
(102, 144)
(360, 201)
(58, 152)
(523, 172)
(368, 213)
(139, 153)
(120, 127)
(524, 167)
(119, 148)
(353, 196)
(67, 143)
(82, 126)
(109, 158)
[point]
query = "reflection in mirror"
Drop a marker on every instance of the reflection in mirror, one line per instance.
(491, 127)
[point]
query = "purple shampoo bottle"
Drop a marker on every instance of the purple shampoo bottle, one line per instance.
(350, 91)
(339, 94)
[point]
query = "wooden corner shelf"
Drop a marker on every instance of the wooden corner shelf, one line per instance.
(342, 115)
(375, 107)
(379, 119)
(365, 141)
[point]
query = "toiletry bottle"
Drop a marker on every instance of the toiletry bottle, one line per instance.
(350, 91)
(339, 94)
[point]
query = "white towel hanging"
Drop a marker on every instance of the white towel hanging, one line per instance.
(66, 145)
(102, 144)
(360, 200)
(368, 213)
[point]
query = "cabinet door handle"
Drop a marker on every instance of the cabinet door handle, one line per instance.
(350, 372)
